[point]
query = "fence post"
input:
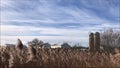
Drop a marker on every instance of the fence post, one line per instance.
(97, 41)
(91, 42)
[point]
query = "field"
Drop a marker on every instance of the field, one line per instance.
(29, 57)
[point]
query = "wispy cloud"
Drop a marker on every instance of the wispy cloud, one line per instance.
(73, 19)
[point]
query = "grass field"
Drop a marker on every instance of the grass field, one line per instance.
(12, 57)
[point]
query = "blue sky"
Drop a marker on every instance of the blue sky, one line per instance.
(56, 21)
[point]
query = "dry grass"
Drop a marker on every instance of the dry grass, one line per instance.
(55, 58)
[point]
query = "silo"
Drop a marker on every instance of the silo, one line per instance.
(91, 42)
(97, 41)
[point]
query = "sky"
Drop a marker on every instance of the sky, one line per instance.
(56, 21)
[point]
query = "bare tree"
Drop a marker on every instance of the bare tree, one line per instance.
(110, 39)
(35, 42)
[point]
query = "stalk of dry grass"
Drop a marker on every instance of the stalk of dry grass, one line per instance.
(31, 53)
(19, 44)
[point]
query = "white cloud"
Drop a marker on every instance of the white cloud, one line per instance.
(71, 35)
(6, 3)
(50, 39)
(50, 13)
(7, 29)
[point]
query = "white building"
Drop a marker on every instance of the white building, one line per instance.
(55, 46)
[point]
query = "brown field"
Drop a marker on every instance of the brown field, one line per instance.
(11, 57)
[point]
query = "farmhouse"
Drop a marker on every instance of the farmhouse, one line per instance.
(55, 46)
(46, 45)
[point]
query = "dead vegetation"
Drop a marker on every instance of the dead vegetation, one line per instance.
(56, 58)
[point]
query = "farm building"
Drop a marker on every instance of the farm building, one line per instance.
(46, 45)
(55, 46)
(65, 45)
